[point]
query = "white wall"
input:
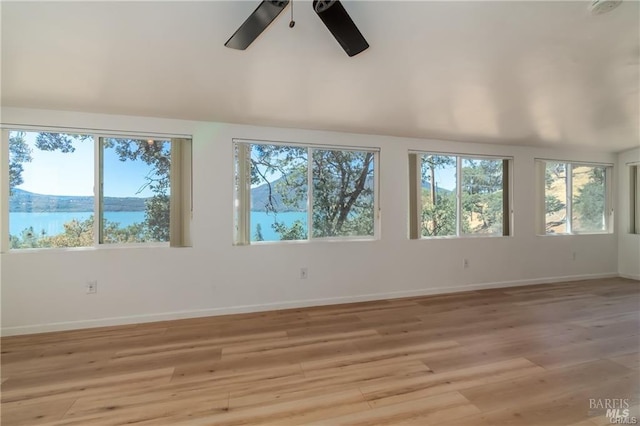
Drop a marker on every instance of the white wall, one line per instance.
(45, 290)
(628, 244)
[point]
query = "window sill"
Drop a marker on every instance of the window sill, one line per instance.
(90, 249)
(312, 241)
(574, 234)
(461, 237)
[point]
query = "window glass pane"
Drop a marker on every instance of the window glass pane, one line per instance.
(51, 190)
(438, 193)
(555, 198)
(482, 197)
(343, 193)
(588, 198)
(136, 189)
(278, 193)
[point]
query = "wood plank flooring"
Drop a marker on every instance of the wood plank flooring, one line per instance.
(530, 355)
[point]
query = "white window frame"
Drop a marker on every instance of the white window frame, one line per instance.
(242, 197)
(634, 198)
(541, 165)
(416, 234)
(181, 203)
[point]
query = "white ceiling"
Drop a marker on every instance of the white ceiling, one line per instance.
(529, 73)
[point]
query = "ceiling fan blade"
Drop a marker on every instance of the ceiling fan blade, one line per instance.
(338, 21)
(256, 23)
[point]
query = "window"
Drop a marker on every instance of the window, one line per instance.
(294, 192)
(134, 199)
(144, 185)
(576, 197)
(51, 178)
(634, 174)
(454, 195)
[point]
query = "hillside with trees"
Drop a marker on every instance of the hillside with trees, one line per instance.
(588, 197)
(25, 202)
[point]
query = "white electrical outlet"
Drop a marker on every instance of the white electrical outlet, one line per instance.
(465, 263)
(92, 287)
(304, 273)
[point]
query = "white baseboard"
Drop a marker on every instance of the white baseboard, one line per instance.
(165, 316)
(630, 276)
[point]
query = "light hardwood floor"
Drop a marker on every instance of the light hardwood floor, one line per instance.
(530, 355)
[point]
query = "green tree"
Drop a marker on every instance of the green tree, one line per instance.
(482, 195)
(19, 153)
(79, 233)
(438, 219)
(554, 173)
(342, 188)
(113, 233)
(63, 142)
(294, 232)
(438, 211)
(258, 236)
(28, 238)
(342, 193)
(589, 204)
(290, 164)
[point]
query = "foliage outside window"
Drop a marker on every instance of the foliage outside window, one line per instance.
(51, 190)
(576, 198)
(290, 192)
(454, 195)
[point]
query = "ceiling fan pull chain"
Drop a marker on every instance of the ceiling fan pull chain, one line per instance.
(292, 23)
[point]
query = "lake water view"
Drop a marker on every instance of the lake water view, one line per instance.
(266, 220)
(53, 222)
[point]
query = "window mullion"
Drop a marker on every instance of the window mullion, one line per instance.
(309, 193)
(506, 198)
(98, 190)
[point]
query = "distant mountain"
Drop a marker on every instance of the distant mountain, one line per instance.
(25, 201)
(260, 199)
(427, 185)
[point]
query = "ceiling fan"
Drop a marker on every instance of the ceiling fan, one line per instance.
(331, 12)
